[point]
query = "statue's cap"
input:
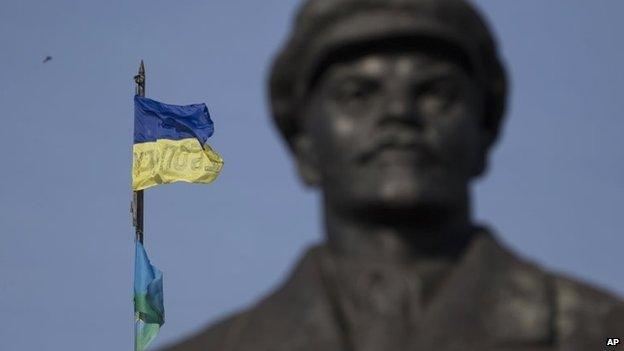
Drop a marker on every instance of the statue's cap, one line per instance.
(325, 27)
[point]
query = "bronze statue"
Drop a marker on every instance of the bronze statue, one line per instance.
(390, 108)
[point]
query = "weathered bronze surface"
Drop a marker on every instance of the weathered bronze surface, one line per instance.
(390, 108)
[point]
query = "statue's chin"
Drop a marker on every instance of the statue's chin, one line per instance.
(399, 197)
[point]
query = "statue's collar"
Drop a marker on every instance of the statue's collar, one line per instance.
(488, 297)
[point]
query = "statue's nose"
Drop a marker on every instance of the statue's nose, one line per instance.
(400, 108)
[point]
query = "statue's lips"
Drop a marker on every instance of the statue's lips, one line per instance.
(408, 154)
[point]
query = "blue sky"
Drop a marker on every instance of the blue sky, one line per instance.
(555, 192)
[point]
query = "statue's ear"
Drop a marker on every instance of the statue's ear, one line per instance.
(306, 159)
(487, 140)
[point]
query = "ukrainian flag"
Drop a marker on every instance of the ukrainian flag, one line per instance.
(170, 144)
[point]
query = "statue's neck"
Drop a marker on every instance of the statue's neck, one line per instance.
(402, 236)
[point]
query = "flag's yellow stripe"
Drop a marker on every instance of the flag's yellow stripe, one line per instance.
(166, 161)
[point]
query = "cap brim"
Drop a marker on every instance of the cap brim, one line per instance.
(375, 27)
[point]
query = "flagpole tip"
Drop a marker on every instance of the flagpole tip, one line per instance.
(139, 79)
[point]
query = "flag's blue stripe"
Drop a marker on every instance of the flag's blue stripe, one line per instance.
(148, 288)
(154, 120)
(144, 272)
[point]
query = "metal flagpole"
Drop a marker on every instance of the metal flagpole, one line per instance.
(137, 200)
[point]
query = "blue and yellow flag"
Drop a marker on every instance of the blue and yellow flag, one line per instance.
(170, 144)
(149, 312)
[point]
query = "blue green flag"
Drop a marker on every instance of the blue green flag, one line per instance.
(149, 312)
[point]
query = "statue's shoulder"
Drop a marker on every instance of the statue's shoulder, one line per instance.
(212, 338)
(583, 315)
(585, 312)
(297, 315)
(579, 315)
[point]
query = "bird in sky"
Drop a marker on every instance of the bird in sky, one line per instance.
(48, 58)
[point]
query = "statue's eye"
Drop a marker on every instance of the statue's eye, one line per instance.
(354, 91)
(438, 95)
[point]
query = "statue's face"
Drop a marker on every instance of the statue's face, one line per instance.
(393, 130)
